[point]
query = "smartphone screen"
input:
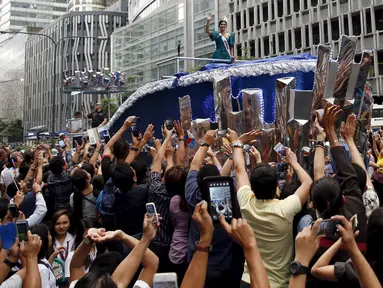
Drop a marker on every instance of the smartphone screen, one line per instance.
(220, 200)
(135, 131)
(280, 149)
(165, 284)
(165, 280)
(62, 143)
(22, 230)
(169, 124)
(151, 209)
(328, 228)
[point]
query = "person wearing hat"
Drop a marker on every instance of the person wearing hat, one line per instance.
(224, 41)
(98, 117)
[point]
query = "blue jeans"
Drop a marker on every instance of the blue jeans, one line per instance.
(304, 222)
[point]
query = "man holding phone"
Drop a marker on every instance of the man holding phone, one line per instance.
(270, 218)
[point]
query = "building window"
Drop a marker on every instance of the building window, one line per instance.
(238, 19)
(281, 39)
(368, 21)
(298, 38)
(345, 24)
(265, 12)
(296, 6)
(335, 29)
(251, 16)
(266, 46)
(316, 38)
(379, 19)
(356, 27)
(280, 8)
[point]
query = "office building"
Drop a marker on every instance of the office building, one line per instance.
(12, 59)
(15, 15)
(284, 27)
(73, 54)
(89, 5)
(156, 31)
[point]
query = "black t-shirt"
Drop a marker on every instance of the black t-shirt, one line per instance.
(97, 118)
(130, 209)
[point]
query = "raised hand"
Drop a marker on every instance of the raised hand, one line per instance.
(179, 130)
(130, 121)
(227, 150)
(307, 243)
(348, 235)
(290, 158)
(31, 249)
(19, 198)
(250, 137)
(331, 114)
(321, 135)
(210, 137)
(232, 136)
(150, 228)
(203, 220)
(240, 231)
(255, 154)
(347, 130)
(149, 133)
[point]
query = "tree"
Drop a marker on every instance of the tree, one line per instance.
(113, 105)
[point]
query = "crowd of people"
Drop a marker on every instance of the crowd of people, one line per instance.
(322, 226)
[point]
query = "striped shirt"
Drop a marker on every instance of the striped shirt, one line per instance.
(161, 198)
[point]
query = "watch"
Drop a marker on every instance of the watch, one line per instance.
(202, 143)
(134, 149)
(297, 268)
(320, 143)
(9, 263)
(237, 144)
(202, 248)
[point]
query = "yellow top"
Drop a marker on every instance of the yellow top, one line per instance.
(271, 221)
(380, 161)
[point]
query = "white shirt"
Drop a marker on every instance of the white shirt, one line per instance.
(39, 213)
(7, 176)
(68, 245)
(13, 282)
(69, 259)
(48, 279)
(75, 124)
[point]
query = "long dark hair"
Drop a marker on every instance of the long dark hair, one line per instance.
(97, 279)
(43, 231)
(55, 217)
(181, 192)
(374, 253)
(79, 181)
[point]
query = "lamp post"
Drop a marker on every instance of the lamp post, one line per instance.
(56, 45)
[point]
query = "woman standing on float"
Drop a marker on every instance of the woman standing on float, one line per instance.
(224, 41)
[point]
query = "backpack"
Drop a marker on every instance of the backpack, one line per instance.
(58, 270)
(107, 200)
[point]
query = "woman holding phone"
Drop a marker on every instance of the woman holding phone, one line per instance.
(63, 241)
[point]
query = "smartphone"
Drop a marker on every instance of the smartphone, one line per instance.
(221, 193)
(329, 228)
(306, 149)
(22, 230)
(169, 123)
(280, 149)
(355, 222)
(62, 143)
(152, 211)
(135, 130)
(30, 183)
(213, 125)
(165, 280)
(13, 210)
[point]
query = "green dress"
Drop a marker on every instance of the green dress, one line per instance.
(220, 50)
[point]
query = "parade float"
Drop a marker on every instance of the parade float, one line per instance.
(279, 95)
